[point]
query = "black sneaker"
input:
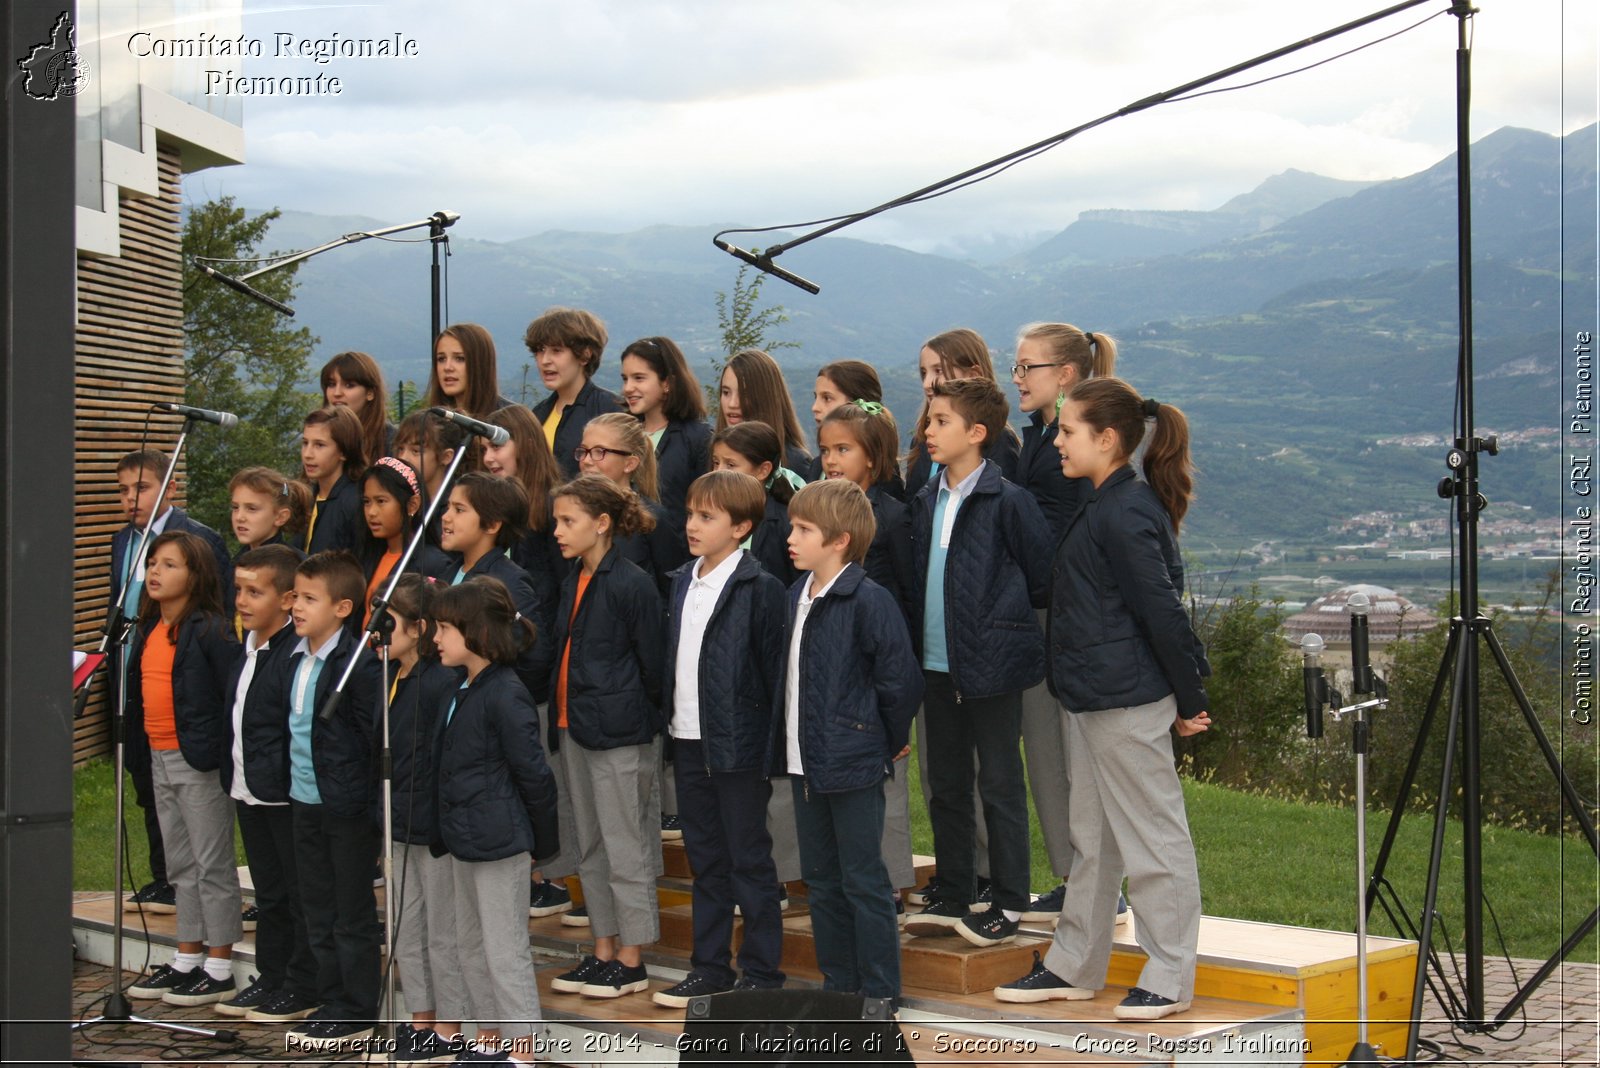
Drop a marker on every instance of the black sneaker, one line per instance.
(936, 919)
(572, 982)
(1041, 984)
(157, 983)
(693, 985)
(251, 997)
(988, 928)
(161, 898)
(283, 1007)
(548, 898)
(1124, 913)
(1141, 1004)
(1046, 908)
(671, 828)
(925, 894)
(899, 910)
(201, 990)
(250, 917)
(326, 1034)
(616, 980)
(985, 896)
(747, 983)
(416, 1045)
(377, 875)
(474, 1055)
(575, 917)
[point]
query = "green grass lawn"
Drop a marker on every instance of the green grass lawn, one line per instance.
(1260, 859)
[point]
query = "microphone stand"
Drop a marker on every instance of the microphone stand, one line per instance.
(1318, 692)
(380, 627)
(763, 260)
(436, 223)
(119, 632)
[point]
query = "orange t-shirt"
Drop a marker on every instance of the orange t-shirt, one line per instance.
(155, 685)
(379, 577)
(566, 652)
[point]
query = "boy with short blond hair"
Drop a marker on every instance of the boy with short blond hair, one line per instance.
(982, 553)
(724, 641)
(850, 690)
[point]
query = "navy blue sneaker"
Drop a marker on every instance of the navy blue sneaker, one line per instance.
(1141, 1004)
(1041, 984)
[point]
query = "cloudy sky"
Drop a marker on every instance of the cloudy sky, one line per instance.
(615, 114)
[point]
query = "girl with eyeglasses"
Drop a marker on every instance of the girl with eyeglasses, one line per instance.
(1051, 359)
(616, 446)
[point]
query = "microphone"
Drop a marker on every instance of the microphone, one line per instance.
(248, 290)
(1360, 663)
(764, 263)
(1311, 647)
(226, 420)
(497, 435)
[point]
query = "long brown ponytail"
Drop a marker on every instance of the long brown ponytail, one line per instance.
(1111, 402)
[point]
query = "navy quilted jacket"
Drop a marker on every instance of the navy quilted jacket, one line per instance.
(859, 686)
(264, 726)
(590, 402)
(200, 667)
(1118, 634)
(614, 672)
(496, 793)
(997, 571)
(344, 749)
(1039, 472)
(743, 644)
(419, 700)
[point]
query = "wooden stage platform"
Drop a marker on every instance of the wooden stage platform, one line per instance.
(1266, 994)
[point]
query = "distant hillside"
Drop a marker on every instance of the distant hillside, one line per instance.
(1298, 323)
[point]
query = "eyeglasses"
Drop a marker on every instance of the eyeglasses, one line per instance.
(1022, 370)
(597, 453)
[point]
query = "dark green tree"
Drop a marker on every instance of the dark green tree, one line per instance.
(743, 324)
(239, 356)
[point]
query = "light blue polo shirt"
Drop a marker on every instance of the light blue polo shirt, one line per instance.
(935, 644)
(302, 713)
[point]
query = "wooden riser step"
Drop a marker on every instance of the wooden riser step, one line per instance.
(941, 1028)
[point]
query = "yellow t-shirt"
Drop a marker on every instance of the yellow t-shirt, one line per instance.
(552, 421)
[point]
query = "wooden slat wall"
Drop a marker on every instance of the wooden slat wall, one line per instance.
(129, 355)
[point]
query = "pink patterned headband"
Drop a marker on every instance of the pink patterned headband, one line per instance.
(405, 471)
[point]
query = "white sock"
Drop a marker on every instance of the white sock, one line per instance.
(219, 968)
(187, 962)
(1011, 915)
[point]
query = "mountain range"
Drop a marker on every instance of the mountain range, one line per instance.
(1298, 324)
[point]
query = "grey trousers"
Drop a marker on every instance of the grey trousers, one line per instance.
(425, 933)
(496, 963)
(1044, 752)
(619, 837)
(897, 828)
(785, 838)
(197, 826)
(564, 863)
(1128, 816)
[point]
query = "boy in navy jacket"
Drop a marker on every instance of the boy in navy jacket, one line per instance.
(724, 640)
(849, 689)
(982, 554)
(255, 774)
(332, 789)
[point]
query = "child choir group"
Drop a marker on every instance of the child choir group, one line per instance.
(626, 624)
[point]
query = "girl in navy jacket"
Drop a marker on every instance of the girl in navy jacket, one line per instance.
(1128, 667)
(184, 652)
(662, 393)
(331, 458)
(606, 676)
(754, 448)
(496, 805)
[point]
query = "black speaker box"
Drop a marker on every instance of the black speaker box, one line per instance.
(780, 1027)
